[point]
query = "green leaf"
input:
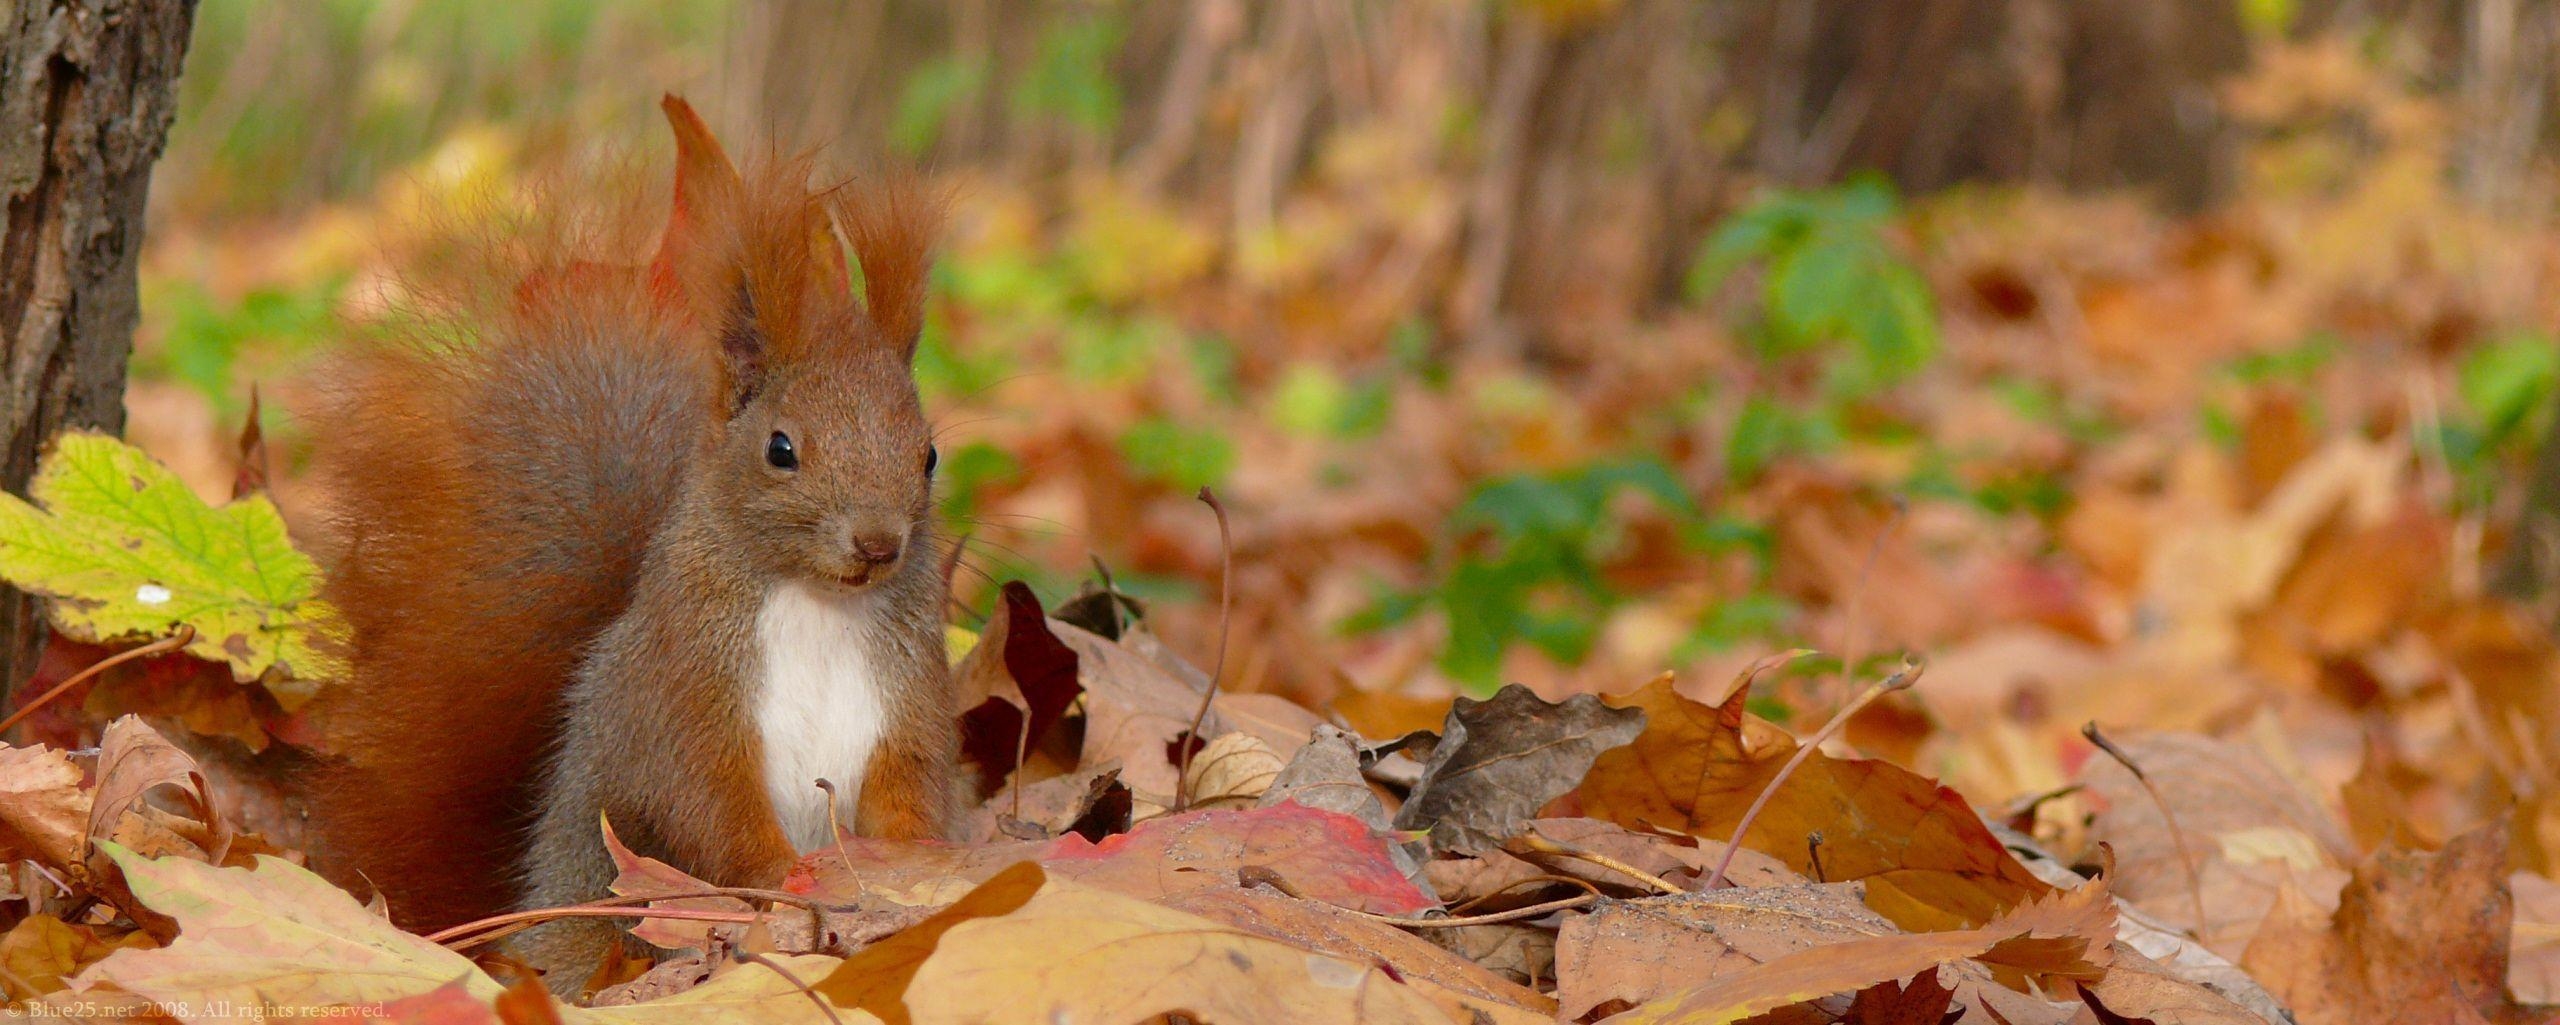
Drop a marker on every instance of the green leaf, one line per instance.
(2506, 383)
(125, 551)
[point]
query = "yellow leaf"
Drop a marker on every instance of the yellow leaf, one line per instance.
(125, 550)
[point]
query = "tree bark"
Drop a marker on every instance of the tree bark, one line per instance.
(85, 103)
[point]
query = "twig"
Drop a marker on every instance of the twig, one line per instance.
(1544, 844)
(1813, 854)
(1217, 670)
(2177, 836)
(463, 936)
(1902, 679)
(824, 1007)
(186, 635)
(836, 827)
(1513, 915)
(1518, 883)
(468, 934)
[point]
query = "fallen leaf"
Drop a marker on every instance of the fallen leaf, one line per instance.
(42, 953)
(43, 811)
(1927, 859)
(1232, 770)
(133, 759)
(1922, 1002)
(1028, 948)
(638, 875)
(2137, 988)
(2249, 827)
(1807, 975)
(2416, 937)
(1322, 855)
(1637, 951)
(1026, 679)
(270, 935)
(1459, 985)
(1500, 760)
(125, 550)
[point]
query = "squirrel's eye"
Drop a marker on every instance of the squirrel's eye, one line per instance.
(779, 452)
(932, 458)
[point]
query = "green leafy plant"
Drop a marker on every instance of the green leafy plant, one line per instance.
(1528, 565)
(1829, 276)
(1830, 291)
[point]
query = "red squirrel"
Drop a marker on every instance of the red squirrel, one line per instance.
(648, 546)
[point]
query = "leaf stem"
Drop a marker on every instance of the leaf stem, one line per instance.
(1217, 670)
(186, 635)
(1902, 679)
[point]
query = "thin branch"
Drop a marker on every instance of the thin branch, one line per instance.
(1513, 915)
(186, 635)
(1544, 844)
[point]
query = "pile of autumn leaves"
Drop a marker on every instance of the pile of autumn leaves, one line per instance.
(1530, 861)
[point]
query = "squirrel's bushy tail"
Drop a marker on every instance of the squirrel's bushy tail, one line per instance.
(495, 476)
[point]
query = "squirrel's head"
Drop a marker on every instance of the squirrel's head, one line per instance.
(822, 453)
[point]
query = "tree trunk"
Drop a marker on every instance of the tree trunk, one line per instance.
(85, 103)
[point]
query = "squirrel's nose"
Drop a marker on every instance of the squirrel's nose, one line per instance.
(878, 551)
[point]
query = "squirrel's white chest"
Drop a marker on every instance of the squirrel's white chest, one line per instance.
(819, 712)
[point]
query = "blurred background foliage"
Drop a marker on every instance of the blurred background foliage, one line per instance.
(1550, 340)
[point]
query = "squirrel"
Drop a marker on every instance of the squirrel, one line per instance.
(649, 547)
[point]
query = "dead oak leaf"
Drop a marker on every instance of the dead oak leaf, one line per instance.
(2415, 937)
(1500, 760)
(1026, 947)
(1927, 859)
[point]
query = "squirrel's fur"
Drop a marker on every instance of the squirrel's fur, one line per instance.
(561, 520)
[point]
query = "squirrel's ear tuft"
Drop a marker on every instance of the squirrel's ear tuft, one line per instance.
(892, 227)
(704, 180)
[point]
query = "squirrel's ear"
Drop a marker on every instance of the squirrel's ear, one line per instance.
(892, 229)
(744, 349)
(704, 176)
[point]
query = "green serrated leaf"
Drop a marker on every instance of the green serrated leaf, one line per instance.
(124, 550)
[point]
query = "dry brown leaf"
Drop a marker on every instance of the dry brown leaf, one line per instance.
(2249, 827)
(1638, 951)
(2138, 987)
(1232, 770)
(1927, 859)
(1027, 948)
(41, 954)
(42, 809)
(2416, 937)
(2533, 966)
(1501, 759)
(1923, 1002)
(133, 758)
(1807, 975)
(1461, 985)
(1321, 855)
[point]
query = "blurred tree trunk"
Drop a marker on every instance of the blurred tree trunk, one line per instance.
(85, 104)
